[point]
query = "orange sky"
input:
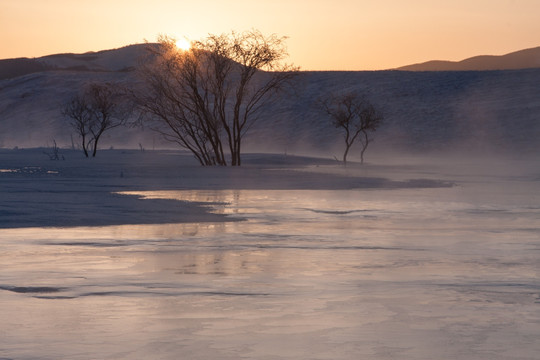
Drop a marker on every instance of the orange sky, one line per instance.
(323, 35)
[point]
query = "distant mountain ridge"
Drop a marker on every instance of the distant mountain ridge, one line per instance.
(126, 58)
(523, 59)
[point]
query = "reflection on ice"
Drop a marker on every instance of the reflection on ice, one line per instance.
(375, 274)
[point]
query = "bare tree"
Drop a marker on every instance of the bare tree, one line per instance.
(106, 109)
(356, 115)
(208, 97)
(54, 152)
(78, 111)
(98, 109)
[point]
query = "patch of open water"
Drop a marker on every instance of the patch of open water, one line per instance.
(406, 273)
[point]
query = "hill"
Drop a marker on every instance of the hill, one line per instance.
(523, 59)
(488, 111)
(10, 68)
(122, 59)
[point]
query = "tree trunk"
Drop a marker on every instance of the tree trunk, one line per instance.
(345, 154)
(84, 145)
(364, 146)
(95, 146)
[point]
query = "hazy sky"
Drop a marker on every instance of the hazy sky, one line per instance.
(323, 34)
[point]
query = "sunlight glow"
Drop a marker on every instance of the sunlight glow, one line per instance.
(183, 44)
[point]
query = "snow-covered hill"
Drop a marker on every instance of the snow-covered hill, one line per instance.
(424, 111)
(122, 59)
(436, 111)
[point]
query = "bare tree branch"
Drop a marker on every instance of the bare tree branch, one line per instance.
(356, 115)
(96, 110)
(207, 98)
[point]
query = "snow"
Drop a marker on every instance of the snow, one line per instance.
(139, 255)
(80, 191)
(489, 111)
(122, 59)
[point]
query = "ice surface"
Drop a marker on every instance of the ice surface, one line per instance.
(363, 263)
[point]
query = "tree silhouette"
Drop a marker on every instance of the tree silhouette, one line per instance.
(77, 110)
(356, 115)
(206, 98)
(96, 110)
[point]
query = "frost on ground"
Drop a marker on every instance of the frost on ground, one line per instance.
(84, 192)
(285, 258)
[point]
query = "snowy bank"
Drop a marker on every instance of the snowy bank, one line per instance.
(75, 191)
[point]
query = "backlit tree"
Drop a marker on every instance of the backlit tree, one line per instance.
(207, 98)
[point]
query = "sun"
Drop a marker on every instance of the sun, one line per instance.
(183, 44)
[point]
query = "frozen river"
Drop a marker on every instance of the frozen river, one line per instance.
(441, 273)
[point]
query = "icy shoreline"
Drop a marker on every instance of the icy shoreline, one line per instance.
(75, 191)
